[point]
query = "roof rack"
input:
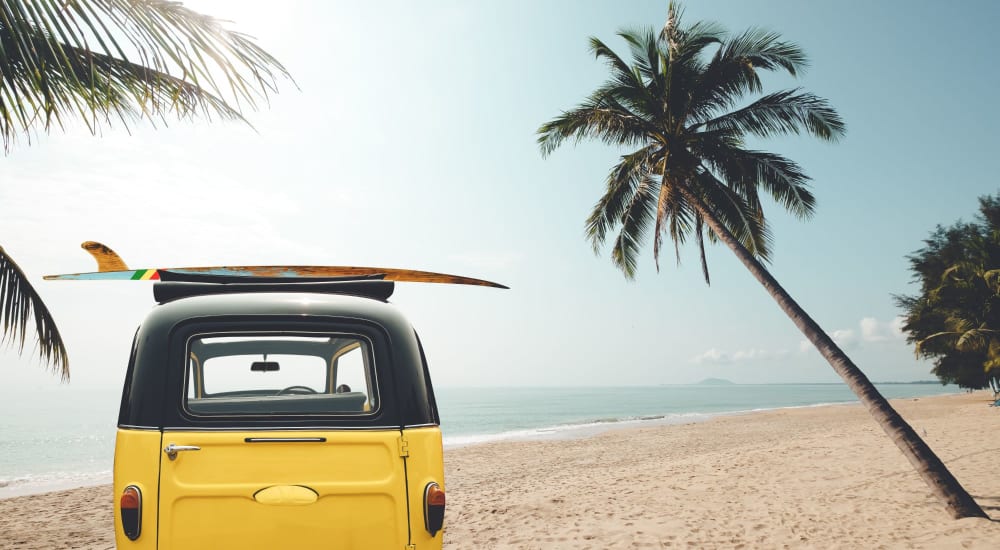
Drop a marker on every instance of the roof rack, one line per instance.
(366, 287)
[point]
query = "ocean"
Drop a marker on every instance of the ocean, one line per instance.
(62, 437)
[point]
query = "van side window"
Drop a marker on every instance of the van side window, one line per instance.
(351, 373)
(286, 374)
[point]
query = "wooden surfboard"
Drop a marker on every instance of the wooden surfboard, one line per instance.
(112, 268)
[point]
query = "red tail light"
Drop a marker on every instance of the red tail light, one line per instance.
(433, 508)
(130, 506)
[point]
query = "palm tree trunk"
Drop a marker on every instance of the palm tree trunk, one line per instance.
(944, 486)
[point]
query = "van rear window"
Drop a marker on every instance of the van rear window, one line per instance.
(279, 374)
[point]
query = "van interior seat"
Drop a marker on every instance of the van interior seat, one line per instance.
(352, 402)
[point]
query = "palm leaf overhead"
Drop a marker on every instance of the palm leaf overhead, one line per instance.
(107, 62)
(102, 61)
(683, 104)
(19, 304)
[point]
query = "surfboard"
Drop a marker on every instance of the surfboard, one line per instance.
(112, 268)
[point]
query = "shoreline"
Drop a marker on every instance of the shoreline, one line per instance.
(20, 483)
(597, 427)
(814, 476)
(545, 433)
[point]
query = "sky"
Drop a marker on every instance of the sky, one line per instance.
(408, 140)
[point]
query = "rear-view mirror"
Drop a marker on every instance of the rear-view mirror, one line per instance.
(264, 366)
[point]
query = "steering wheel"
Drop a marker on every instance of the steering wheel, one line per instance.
(296, 389)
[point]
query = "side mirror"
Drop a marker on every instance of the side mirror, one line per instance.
(265, 366)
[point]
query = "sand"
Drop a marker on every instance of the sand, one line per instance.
(821, 477)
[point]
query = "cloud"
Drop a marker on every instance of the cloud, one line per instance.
(871, 331)
(844, 338)
(712, 356)
(720, 357)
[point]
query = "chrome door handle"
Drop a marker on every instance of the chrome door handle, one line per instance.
(172, 450)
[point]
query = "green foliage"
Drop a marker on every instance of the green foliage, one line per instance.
(676, 104)
(19, 303)
(98, 61)
(101, 61)
(956, 317)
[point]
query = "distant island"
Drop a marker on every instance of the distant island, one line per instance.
(716, 382)
(724, 382)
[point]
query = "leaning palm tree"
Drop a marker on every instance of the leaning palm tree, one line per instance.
(108, 62)
(676, 107)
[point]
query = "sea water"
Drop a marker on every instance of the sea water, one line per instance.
(58, 437)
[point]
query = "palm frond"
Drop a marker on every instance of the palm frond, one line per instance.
(623, 182)
(626, 84)
(619, 68)
(765, 50)
(679, 223)
(19, 304)
(747, 170)
(671, 211)
(634, 224)
(123, 60)
(922, 344)
(973, 339)
(733, 71)
(743, 218)
(599, 117)
(780, 113)
(992, 279)
(645, 53)
(699, 228)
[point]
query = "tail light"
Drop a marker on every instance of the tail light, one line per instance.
(130, 505)
(433, 508)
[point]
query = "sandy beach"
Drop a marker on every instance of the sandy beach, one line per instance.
(820, 477)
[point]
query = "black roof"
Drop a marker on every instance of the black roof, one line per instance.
(269, 299)
(154, 383)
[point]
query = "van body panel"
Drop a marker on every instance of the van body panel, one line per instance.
(137, 462)
(277, 467)
(424, 465)
(207, 496)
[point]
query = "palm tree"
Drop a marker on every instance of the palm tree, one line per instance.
(104, 62)
(956, 318)
(967, 298)
(675, 107)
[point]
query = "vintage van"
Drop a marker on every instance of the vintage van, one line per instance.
(278, 414)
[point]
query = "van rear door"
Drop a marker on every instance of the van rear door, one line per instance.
(282, 447)
(317, 489)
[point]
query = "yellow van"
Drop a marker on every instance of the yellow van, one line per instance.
(278, 414)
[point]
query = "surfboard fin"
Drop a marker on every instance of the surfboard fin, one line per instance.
(107, 259)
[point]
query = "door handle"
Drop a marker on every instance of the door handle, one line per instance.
(172, 450)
